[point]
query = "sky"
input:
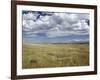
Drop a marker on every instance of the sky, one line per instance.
(55, 27)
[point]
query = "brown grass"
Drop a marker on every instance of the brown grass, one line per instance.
(54, 55)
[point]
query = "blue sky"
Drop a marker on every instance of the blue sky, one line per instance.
(55, 27)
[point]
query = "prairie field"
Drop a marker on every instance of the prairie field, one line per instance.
(55, 55)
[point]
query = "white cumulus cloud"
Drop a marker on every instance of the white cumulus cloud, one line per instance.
(56, 24)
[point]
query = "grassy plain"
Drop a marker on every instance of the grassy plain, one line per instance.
(54, 55)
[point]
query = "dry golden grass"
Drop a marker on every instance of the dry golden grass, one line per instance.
(55, 55)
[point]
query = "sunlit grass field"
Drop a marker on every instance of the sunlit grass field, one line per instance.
(55, 55)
